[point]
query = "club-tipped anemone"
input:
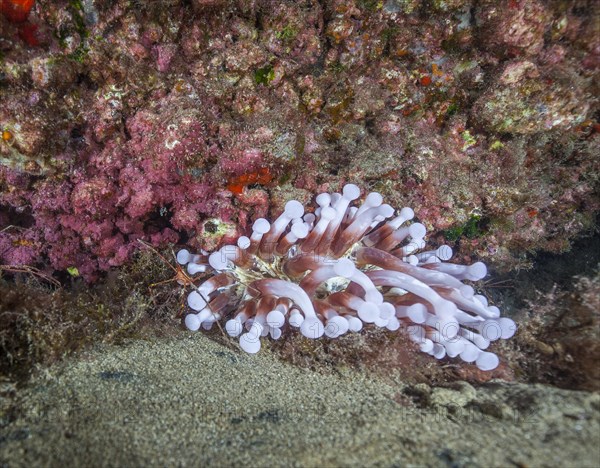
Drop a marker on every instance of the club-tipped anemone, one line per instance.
(344, 265)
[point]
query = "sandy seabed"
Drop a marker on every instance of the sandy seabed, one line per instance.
(189, 401)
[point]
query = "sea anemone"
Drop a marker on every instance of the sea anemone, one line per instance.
(339, 268)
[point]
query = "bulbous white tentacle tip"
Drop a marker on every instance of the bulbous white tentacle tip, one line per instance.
(480, 341)
(417, 313)
(470, 353)
(419, 243)
(194, 268)
(312, 328)
(477, 271)
(294, 209)
(257, 328)
(374, 199)
(218, 261)
(508, 327)
(275, 332)
(355, 324)
(351, 192)
(300, 230)
(192, 322)
(387, 310)
(393, 324)
(336, 326)
(368, 312)
(296, 318)
(327, 213)
(410, 248)
(416, 333)
(250, 343)
(417, 230)
(455, 347)
(233, 327)
(407, 213)
(481, 299)
(467, 291)
(439, 352)
(449, 327)
(386, 211)
(344, 325)
(444, 252)
(243, 242)
(426, 346)
(196, 301)
(261, 226)
(493, 311)
(183, 256)
(323, 200)
(275, 319)
(487, 361)
(309, 218)
(344, 268)
(411, 259)
(380, 322)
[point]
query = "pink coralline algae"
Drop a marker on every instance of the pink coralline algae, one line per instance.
(342, 267)
(183, 122)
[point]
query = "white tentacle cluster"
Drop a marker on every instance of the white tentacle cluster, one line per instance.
(338, 269)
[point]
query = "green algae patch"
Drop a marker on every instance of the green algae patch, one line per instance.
(472, 229)
(264, 75)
